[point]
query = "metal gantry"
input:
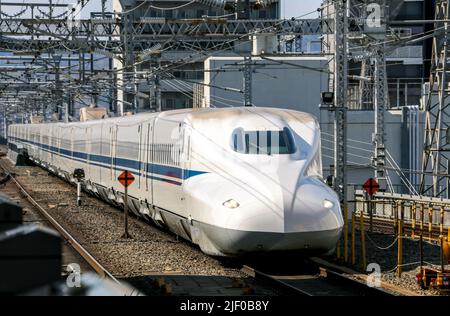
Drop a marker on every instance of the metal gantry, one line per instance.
(436, 155)
(381, 103)
(122, 37)
(105, 33)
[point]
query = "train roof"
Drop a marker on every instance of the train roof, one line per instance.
(200, 114)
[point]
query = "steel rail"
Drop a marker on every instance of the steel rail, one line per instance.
(330, 275)
(64, 233)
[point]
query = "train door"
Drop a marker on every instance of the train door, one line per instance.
(50, 145)
(151, 165)
(149, 162)
(58, 145)
(185, 162)
(113, 133)
(88, 147)
(141, 134)
(71, 144)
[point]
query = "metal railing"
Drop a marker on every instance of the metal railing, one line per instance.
(424, 220)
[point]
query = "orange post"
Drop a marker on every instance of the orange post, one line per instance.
(345, 234)
(363, 239)
(400, 249)
(422, 216)
(430, 223)
(395, 217)
(354, 238)
(441, 238)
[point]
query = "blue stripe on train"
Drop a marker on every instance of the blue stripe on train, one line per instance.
(168, 171)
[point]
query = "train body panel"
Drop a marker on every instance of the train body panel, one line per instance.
(232, 180)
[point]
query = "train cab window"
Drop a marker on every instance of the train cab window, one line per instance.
(263, 142)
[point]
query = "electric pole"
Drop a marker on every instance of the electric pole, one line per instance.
(340, 94)
(248, 98)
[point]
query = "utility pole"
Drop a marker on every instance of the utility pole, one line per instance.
(340, 94)
(380, 103)
(158, 92)
(94, 92)
(366, 86)
(103, 8)
(374, 92)
(248, 74)
(58, 87)
(50, 9)
(114, 107)
(112, 74)
(155, 82)
(129, 80)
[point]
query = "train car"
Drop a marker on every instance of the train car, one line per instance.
(233, 181)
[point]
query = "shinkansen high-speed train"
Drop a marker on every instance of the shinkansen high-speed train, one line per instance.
(234, 181)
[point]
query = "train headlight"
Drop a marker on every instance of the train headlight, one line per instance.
(231, 203)
(328, 204)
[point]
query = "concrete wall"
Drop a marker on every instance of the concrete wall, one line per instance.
(403, 142)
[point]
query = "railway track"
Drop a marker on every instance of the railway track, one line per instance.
(154, 283)
(313, 279)
(305, 280)
(67, 237)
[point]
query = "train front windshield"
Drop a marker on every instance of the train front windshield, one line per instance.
(263, 142)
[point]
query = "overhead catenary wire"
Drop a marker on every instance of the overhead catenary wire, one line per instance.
(300, 16)
(390, 160)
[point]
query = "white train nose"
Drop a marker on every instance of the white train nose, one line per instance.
(309, 219)
(220, 241)
(314, 207)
